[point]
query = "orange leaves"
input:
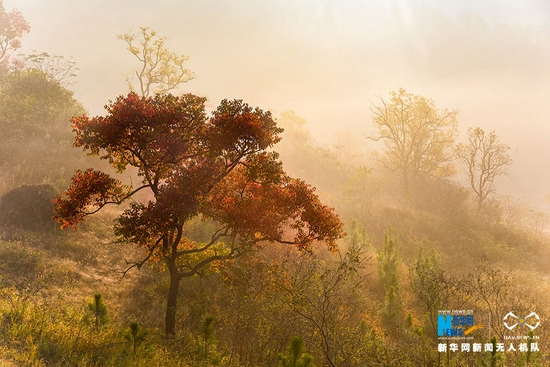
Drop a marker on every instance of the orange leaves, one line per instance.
(264, 167)
(151, 134)
(236, 128)
(315, 221)
(284, 211)
(88, 189)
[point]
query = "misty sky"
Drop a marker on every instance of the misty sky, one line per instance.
(328, 60)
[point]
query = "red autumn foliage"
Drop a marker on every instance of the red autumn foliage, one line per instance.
(216, 167)
(88, 189)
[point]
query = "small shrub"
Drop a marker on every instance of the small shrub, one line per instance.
(296, 355)
(29, 207)
(98, 310)
(135, 336)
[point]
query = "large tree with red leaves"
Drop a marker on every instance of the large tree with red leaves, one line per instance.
(216, 167)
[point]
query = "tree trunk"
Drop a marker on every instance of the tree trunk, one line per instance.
(405, 181)
(480, 200)
(172, 300)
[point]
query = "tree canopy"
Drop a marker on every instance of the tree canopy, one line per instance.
(35, 113)
(418, 137)
(214, 167)
(12, 27)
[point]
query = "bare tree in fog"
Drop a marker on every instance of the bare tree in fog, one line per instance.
(161, 70)
(484, 158)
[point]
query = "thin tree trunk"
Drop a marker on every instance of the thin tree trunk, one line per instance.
(405, 181)
(479, 202)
